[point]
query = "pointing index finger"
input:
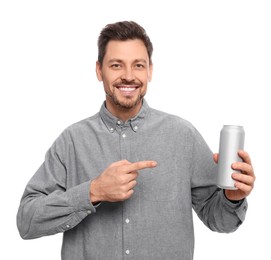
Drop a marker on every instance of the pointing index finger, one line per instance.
(140, 165)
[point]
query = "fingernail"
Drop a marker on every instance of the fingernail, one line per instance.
(154, 163)
(235, 165)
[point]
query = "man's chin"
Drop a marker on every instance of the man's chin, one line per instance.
(128, 103)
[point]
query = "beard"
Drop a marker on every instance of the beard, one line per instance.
(128, 102)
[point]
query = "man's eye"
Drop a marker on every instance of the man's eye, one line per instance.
(139, 66)
(115, 66)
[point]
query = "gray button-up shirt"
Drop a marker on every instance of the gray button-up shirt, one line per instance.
(156, 222)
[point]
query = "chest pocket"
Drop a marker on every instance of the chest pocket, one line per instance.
(158, 184)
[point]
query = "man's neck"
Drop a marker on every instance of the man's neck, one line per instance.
(124, 114)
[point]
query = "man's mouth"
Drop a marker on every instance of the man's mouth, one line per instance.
(127, 89)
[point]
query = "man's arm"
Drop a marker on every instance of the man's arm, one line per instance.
(209, 202)
(47, 207)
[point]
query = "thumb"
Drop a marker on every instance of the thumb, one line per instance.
(215, 157)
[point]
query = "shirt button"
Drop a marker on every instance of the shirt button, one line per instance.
(89, 211)
(127, 220)
(124, 135)
(68, 226)
(127, 252)
(118, 122)
(111, 130)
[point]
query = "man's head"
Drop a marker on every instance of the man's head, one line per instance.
(122, 31)
(125, 67)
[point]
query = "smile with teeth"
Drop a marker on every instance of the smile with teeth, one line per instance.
(127, 89)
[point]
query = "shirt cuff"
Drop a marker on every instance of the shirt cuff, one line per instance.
(97, 205)
(80, 199)
(238, 207)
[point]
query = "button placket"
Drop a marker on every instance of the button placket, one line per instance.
(125, 131)
(127, 228)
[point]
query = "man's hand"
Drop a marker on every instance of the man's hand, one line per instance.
(245, 181)
(117, 181)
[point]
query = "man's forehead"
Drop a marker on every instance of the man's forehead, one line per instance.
(132, 49)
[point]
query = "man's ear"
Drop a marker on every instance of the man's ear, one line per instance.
(150, 73)
(99, 71)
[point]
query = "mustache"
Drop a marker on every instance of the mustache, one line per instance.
(128, 83)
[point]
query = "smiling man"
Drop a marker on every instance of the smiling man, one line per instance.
(122, 183)
(125, 71)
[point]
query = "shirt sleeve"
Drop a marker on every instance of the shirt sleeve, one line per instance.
(209, 201)
(47, 207)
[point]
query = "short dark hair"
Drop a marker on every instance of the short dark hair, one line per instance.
(122, 31)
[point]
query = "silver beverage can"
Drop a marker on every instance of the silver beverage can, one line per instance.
(232, 139)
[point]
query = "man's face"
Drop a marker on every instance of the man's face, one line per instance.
(125, 73)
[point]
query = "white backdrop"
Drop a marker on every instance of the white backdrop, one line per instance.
(212, 64)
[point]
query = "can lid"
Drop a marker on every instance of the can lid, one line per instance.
(233, 126)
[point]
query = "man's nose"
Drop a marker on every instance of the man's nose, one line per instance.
(128, 75)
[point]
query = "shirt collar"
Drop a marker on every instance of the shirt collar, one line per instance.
(113, 122)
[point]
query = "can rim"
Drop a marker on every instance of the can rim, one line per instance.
(236, 126)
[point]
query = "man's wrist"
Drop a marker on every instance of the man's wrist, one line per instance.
(94, 198)
(232, 201)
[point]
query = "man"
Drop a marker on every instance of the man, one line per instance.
(122, 183)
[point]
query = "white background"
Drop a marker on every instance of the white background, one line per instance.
(212, 64)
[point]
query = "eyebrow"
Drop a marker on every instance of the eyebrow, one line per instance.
(141, 60)
(115, 60)
(120, 61)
